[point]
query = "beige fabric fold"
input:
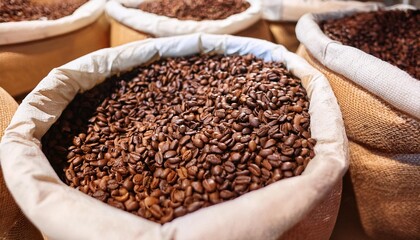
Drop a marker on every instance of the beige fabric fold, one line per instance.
(25, 31)
(381, 109)
(64, 213)
(129, 24)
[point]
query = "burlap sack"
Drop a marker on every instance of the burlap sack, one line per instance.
(61, 212)
(129, 24)
(30, 49)
(282, 15)
(381, 110)
(13, 224)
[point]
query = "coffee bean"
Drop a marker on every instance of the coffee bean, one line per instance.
(217, 170)
(198, 187)
(156, 211)
(266, 164)
(229, 167)
(192, 171)
(209, 185)
(287, 166)
(238, 147)
(254, 169)
(254, 121)
(225, 194)
(288, 174)
(128, 184)
(162, 145)
(215, 149)
(252, 146)
(180, 211)
(168, 215)
(235, 157)
(184, 139)
(197, 11)
(198, 142)
(222, 146)
(263, 131)
(172, 177)
(214, 159)
(298, 171)
(214, 197)
(265, 152)
(131, 205)
(169, 154)
(395, 38)
(270, 143)
(243, 180)
(182, 173)
(177, 196)
(194, 206)
(274, 157)
(26, 10)
(187, 155)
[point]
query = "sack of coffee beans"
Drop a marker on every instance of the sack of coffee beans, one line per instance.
(371, 62)
(188, 135)
(36, 36)
(13, 224)
(282, 15)
(133, 20)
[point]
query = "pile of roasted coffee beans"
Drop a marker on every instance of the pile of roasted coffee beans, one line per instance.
(184, 133)
(196, 10)
(25, 10)
(393, 36)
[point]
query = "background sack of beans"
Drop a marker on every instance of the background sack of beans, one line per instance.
(381, 109)
(128, 23)
(30, 49)
(309, 202)
(13, 224)
(282, 15)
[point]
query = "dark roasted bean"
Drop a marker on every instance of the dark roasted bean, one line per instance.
(161, 143)
(197, 11)
(395, 38)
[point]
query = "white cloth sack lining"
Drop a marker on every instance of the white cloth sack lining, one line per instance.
(25, 31)
(292, 10)
(162, 26)
(61, 212)
(386, 81)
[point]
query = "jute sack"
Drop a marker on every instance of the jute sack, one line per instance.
(30, 49)
(282, 16)
(128, 23)
(381, 110)
(61, 212)
(13, 224)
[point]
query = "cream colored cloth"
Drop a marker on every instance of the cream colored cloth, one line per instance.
(61, 212)
(381, 105)
(126, 12)
(25, 31)
(292, 10)
(390, 83)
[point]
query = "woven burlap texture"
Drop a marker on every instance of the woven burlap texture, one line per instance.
(387, 192)
(385, 180)
(368, 119)
(13, 224)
